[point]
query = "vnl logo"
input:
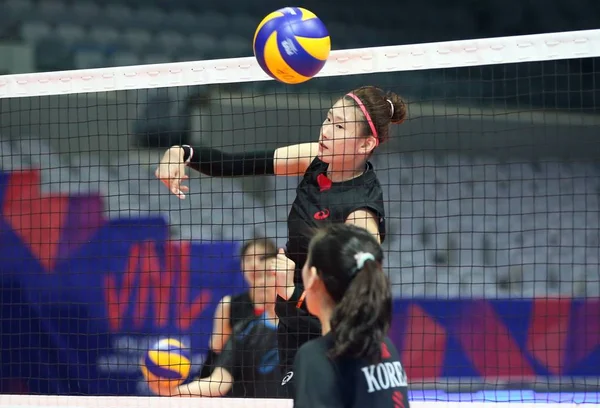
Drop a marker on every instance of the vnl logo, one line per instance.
(145, 290)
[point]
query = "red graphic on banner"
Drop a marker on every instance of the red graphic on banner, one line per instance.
(480, 330)
(38, 220)
(424, 345)
(548, 332)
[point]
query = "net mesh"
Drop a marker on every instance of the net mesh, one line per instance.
(491, 191)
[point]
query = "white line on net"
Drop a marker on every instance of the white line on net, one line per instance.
(477, 52)
(48, 401)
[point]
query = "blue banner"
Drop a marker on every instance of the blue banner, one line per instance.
(82, 298)
(82, 327)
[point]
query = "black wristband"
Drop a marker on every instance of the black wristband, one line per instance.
(187, 153)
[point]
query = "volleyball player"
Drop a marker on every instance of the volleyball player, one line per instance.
(247, 364)
(354, 364)
(339, 185)
(254, 256)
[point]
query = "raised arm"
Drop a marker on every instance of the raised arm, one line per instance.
(294, 160)
(284, 161)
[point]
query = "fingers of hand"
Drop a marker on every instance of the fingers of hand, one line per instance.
(172, 176)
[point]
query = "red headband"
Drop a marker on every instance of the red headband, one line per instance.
(366, 113)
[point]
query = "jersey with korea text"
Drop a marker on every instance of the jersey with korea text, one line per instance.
(348, 382)
(319, 201)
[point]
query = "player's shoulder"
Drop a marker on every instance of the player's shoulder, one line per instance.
(389, 348)
(240, 297)
(371, 174)
(314, 349)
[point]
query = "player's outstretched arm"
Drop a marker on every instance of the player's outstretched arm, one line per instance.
(284, 161)
(217, 385)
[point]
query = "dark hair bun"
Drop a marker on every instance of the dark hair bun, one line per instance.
(400, 108)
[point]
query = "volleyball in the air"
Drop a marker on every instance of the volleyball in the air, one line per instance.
(168, 361)
(291, 45)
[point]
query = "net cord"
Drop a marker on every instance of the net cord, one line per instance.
(463, 53)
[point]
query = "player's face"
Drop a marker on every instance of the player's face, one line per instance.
(341, 137)
(262, 283)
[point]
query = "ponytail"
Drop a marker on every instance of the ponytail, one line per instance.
(362, 317)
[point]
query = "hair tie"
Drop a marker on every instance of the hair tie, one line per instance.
(361, 258)
(392, 106)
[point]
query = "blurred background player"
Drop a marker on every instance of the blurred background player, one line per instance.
(233, 309)
(244, 361)
(346, 288)
(339, 186)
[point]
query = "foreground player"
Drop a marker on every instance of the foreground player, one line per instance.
(354, 364)
(254, 256)
(339, 185)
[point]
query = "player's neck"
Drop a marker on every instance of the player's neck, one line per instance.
(340, 172)
(270, 311)
(325, 319)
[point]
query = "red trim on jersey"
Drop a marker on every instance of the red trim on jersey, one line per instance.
(324, 182)
(385, 353)
(301, 300)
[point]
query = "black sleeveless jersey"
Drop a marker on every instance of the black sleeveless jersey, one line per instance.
(319, 201)
(241, 308)
(348, 382)
(251, 356)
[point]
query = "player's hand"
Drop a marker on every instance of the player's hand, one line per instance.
(283, 268)
(171, 171)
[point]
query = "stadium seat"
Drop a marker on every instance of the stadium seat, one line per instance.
(151, 17)
(187, 52)
(104, 35)
(70, 33)
(52, 54)
(85, 59)
(51, 9)
(182, 21)
(85, 12)
(244, 25)
(204, 43)
(118, 15)
(32, 31)
(123, 58)
(169, 40)
(234, 46)
(16, 9)
(155, 58)
(136, 38)
(213, 23)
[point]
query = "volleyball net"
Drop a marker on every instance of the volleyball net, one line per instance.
(491, 188)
